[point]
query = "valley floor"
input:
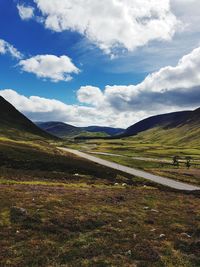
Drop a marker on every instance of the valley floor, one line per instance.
(151, 157)
(59, 210)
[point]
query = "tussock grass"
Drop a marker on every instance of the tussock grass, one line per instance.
(75, 215)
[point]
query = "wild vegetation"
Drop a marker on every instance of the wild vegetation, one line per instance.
(64, 130)
(59, 210)
(154, 157)
(15, 125)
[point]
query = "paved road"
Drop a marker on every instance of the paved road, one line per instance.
(137, 158)
(155, 178)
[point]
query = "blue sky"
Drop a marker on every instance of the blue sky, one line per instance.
(31, 38)
(108, 49)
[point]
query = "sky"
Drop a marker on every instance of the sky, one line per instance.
(108, 62)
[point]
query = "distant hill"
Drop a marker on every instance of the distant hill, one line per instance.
(61, 129)
(172, 128)
(14, 124)
(108, 130)
(164, 120)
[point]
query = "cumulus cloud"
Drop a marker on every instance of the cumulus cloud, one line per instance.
(169, 89)
(111, 24)
(25, 12)
(90, 95)
(43, 109)
(50, 66)
(6, 48)
(170, 86)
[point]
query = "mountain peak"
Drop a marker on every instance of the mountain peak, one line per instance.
(15, 124)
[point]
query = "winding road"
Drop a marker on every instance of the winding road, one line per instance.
(155, 178)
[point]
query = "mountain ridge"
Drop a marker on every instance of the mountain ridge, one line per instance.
(13, 123)
(168, 120)
(62, 129)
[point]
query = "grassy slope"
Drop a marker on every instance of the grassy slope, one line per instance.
(180, 136)
(15, 125)
(67, 131)
(173, 128)
(76, 216)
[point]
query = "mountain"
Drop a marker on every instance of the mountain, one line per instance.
(172, 128)
(107, 130)
(164, 120)
(61, 129)
(14, 124)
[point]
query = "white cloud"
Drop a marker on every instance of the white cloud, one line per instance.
(185, 75)
(112, 24)
(169, 89)
(6, 48)
(90, 95)
(25, 12)
(50, 66)
(182, 79)
(43, 109)
(188, 12)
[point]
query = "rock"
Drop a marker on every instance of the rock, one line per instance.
(162, 236)
(185, 235)
(128, 253)
(116, 184)
(18, 214)
(153, 230)
(154, 210)
(146, 208)
(124, 184)
(120, 221)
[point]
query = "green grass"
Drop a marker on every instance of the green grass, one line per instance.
(187, 135)
(133, 147)
(77, 216)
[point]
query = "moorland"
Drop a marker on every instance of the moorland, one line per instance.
(57, 209)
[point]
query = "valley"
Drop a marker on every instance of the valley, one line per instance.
(73, 212)
(58, 209)
(154, 157)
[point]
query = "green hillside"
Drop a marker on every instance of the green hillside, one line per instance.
(64, 130)
(59, 129)
(179, 128)
(15, 125)
(185, 135)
